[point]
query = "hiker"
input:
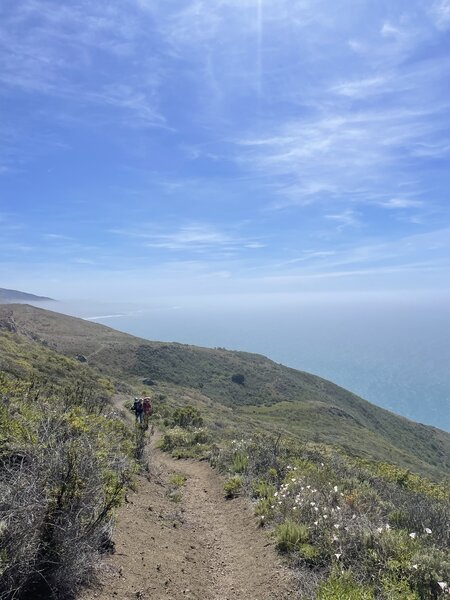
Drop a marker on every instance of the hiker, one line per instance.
(148, 410)
(138, 409)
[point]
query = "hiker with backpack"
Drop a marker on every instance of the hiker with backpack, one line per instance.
(148, 410)
(138, 409)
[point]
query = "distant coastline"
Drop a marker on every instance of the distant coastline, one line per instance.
(8, 296)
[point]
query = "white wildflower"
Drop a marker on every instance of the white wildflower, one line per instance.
(428, 530)
(338, 556)
(413, 535)
(415, 567)
(335, 488)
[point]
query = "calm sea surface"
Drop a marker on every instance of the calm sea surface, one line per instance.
(397, 357)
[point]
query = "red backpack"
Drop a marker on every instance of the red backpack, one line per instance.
(148, 408)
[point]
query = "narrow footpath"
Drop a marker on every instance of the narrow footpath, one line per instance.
(195, 546)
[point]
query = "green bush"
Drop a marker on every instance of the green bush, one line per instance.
(177, 480)
(264, 507)
(186, 417)
(65, 466)
(262, 489)
(233, 486)
(342, 586)
(238, 378)
(397, 589)
(290, 536)
(240, 463)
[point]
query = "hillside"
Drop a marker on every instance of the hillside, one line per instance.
(272, 398)
(7, 296)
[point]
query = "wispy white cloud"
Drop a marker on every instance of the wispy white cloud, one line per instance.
(361, 88)
(341, 154)
(63, 43)
(402, 203)
(194, 237)
(58, 237)
(440, 12)
(346, 218)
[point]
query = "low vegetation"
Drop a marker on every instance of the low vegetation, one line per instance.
(354, 529)
(185, 437)
(65, 462)
(176, 483)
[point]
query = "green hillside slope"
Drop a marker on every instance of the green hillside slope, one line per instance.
(272, 397)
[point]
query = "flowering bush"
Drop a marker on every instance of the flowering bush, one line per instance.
(365, 534)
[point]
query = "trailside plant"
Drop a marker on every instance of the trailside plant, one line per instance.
(360, 534)
(64, 467)
(233, 486)
(291, 535)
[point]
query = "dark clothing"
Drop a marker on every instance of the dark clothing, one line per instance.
(138, 410)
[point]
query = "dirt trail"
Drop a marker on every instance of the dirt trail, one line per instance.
(202, 547)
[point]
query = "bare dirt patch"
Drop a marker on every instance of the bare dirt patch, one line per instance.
(201, 547)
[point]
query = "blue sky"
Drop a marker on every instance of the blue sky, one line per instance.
(246, 149)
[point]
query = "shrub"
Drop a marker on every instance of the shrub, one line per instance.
(186, 443)
(264, 507)
(238, 378)
(342, 586)
(397, 589)
(232, 487)
(177, 480)
(263, 489)
(186, 417)
(240, 463)
(59, 484)
(290, 536)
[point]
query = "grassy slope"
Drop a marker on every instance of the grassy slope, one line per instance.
(273, 398)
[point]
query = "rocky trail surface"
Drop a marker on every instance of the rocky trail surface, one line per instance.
(189, 542)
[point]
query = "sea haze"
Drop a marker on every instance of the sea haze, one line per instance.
(394, 356)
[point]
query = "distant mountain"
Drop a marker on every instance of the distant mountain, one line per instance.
(7, 296)
(237, 391)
